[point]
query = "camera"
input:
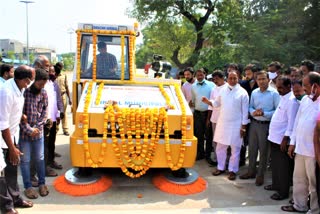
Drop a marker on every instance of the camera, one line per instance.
(157, 57)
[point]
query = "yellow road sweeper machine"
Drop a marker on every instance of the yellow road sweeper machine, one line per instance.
(122, 121)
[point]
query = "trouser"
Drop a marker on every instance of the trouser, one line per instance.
(318, 182)
(214, 144)
(200, 131)
(282, 169)
(49, 135)
(35, 149)
(258, 141)
(304, 183)
(51, 143)
(9, 189)
(221, 151)
(64, 121)
(243, 151)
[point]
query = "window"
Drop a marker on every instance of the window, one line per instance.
(108, 57)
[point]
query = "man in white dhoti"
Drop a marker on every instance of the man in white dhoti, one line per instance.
(231, 125)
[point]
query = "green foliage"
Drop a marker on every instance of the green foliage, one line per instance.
(68, 61)
(31, 58)
(188, 33)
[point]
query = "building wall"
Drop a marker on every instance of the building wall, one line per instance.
(18, 48)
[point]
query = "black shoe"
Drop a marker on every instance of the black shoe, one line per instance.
(211, 162)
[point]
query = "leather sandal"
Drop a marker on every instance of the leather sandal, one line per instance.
(50, 172)
(43, 190)
(217, 172)
(291, 208)
(232, 176)
(31, 193)
(291, 201)
(269, 188)
(23, 204)
(276, 196)
(55, 165)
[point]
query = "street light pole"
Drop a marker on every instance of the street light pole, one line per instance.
(70, 32)
(27, 2)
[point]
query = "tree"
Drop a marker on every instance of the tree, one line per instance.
(166, 14)
(213, 33)
(68, 61)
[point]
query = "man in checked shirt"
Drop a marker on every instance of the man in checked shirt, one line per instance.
(31, 134)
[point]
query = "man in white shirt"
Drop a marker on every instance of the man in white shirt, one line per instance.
(186, 87)
(231, 125)
(218, 79)
(11, 105)
(304, 177)
(274, 70)
(280, 129)
(7, 72)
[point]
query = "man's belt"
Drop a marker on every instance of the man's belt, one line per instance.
(260, 121)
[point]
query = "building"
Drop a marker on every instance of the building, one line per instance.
(20, 50)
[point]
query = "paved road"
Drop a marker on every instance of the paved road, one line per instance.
(221, 196)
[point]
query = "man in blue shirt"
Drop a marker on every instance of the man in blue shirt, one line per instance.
(201, 116)
(264, 101)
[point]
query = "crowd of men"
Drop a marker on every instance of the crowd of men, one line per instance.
(275, 114)
(33, 101)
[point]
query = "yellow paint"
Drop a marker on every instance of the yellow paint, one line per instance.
(108, 149)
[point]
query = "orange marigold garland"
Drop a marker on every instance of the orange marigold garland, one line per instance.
(90, 161)
(166, 96)
(99, 93)
(135, 156)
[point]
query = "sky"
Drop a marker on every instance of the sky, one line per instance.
(50, 21)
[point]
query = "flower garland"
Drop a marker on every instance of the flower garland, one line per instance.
(94, 63)
(122, 57)
(90, 161)
(166, 96)
(132, 37)
(131, 56)
(137, 157)
(183, 131)
(98, 97)
(78, 56)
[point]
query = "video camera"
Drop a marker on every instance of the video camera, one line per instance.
(160, 67)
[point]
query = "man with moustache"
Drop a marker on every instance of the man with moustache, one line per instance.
(233, 101)
(264, 101)
(302, 149)
(218, 79)
(7, 72)
(280, 129)
(11, 105)
(201, 116)
(186, 87)
(31, 134)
